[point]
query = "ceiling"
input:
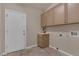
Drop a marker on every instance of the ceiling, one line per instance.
(40, 6)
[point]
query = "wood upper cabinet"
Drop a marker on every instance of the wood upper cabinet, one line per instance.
(59, 14)
(48, 18)
(73, 12)
(44, 19)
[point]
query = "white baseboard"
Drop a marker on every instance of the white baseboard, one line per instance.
(52, 47)
(2, 54)
(66, 53)
(31, 46)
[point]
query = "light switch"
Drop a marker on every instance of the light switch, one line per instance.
(74, 34)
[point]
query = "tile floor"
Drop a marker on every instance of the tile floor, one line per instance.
(36, 51)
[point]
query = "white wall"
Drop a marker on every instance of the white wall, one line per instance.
(34, 19)
(33, 23)
(65, 43)
(0, 27)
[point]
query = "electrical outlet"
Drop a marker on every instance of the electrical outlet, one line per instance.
(57, 48)
(60, 35)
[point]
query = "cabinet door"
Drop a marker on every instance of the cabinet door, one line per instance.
(59, 14)
(50, 18)
(73, 12)
(44, 19)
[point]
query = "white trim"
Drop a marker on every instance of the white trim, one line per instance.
(66, 53)
(31, 46)
(4, 53)
(52, 47)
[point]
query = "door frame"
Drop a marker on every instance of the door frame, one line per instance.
(25, 41)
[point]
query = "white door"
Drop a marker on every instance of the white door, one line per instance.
(15, 30)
